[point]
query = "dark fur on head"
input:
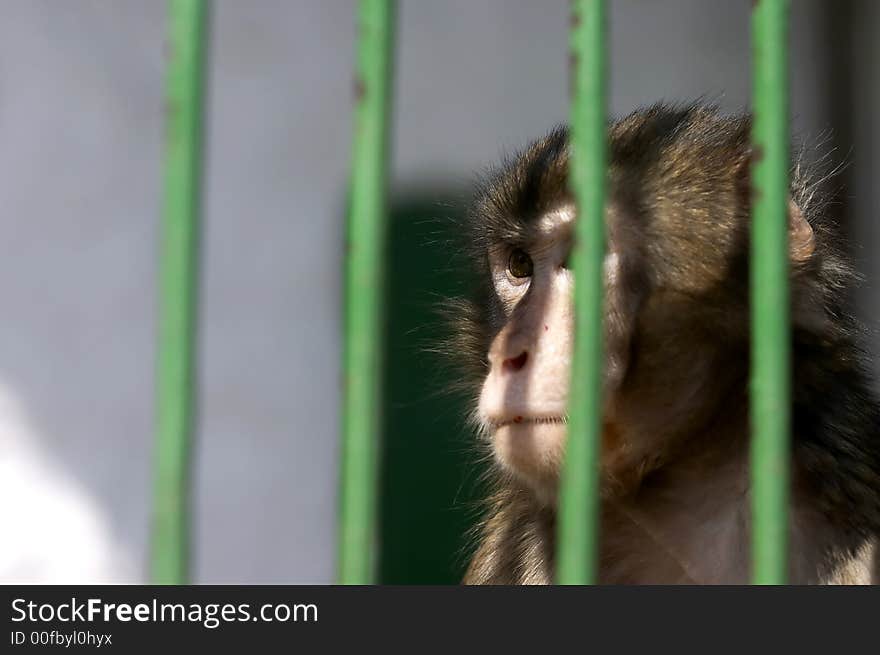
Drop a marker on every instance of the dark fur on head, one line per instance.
(679, 182)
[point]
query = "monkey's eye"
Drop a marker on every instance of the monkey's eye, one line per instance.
(519, 265)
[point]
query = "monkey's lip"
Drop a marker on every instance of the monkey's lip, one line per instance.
(527, 420)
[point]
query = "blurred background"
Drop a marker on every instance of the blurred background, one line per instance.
(81, 125)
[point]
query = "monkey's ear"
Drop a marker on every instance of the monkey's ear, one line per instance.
(801, 241)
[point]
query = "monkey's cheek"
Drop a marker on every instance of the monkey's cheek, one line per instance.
(533, 452)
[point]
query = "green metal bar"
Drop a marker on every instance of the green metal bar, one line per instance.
(771, 368)
(178, 288)
(364, 303)
(579, 492)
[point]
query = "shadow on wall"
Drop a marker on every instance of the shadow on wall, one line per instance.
(430, 480)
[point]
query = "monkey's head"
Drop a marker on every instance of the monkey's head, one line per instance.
(676, 318)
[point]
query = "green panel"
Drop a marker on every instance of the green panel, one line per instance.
(178, 289)
(579, 493)
(430, 479)
(771, 370)
(364, 306)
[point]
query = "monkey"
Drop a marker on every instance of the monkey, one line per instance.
(674, 444)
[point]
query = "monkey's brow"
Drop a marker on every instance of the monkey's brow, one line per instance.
(545, 232)
(514, 229)
(533, 242)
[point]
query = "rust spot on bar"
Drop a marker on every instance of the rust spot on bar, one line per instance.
(359, 89)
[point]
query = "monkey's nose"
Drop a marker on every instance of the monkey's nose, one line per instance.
(514, 364)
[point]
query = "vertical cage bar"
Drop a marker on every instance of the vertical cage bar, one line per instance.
(771, 370)
(364, 302)
(579, 492)
(178, 290)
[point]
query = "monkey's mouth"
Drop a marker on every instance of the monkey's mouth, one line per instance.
(528, 420)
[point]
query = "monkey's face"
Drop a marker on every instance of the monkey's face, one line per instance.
(676, 311)
(524, 397)
(523, 400)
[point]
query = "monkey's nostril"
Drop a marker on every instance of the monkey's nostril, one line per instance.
(515, 363)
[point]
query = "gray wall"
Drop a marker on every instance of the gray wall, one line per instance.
(81, 86)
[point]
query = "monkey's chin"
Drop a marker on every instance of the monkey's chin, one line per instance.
(532, 451)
